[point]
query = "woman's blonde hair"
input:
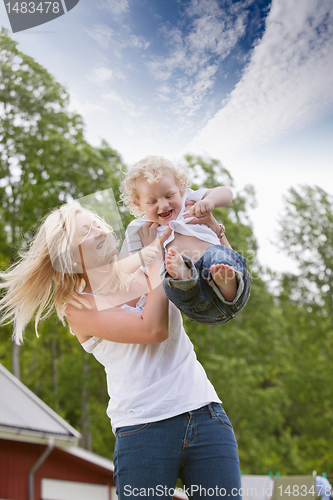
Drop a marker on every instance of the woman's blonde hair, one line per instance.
(151, 168)
(44, 278)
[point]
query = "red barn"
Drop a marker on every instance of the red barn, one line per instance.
(39, 456)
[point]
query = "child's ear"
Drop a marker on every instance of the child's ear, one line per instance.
(136, 203)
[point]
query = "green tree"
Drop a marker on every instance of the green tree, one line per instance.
(44, 157)
(306, 303)
(307, 236)
(44, 161)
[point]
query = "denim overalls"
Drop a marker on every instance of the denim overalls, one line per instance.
(199, 297)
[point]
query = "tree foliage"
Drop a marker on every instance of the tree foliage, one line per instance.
(306, 303)
(44, 157)
(44, 161)
(307, 235)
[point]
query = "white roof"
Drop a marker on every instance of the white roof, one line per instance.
(23, 413)
(91, 457)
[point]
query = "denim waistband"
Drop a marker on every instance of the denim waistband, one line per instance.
(210, 408)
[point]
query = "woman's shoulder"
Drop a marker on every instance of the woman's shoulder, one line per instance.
(72, 315)
(82, 302)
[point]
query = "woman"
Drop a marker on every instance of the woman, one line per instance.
(165, 413)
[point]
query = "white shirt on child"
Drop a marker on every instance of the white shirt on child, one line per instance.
(132, 241)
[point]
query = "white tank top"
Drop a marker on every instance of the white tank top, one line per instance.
(151, 382)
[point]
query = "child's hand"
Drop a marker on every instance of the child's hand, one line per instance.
(208, 220)
(200, 208)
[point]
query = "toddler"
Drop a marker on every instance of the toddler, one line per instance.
(207, 281)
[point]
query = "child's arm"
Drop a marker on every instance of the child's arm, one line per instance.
(221, 196)
(217, 197)
(210, 221)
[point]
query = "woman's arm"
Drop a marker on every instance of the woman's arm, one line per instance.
(119, 325)
(146, 255)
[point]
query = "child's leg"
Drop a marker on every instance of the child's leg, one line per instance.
(226, 273)
(184, 293)
(223, 275)
(176, 266)
(199, 297)
(225, 278)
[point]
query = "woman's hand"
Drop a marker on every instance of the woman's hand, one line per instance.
(153, 245)
(148, 233)
(148, 254)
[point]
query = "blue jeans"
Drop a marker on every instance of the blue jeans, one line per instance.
(198, 446)
(198, 297)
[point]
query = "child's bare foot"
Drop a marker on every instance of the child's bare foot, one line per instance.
(225, 279)
(176, 266)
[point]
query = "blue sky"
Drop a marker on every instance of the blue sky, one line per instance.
(247, 82)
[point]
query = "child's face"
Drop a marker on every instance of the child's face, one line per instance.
(160, 201)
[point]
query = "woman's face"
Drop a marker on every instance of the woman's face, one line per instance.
(92, 243)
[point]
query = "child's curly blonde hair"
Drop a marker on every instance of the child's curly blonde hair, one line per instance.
(151, 168)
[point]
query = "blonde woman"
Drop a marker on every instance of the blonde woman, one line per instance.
(165, 413)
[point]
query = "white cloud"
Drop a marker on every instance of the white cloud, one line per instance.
(102, 34)
(128, 107)
(121, 39)
(137, 42)
(101, 75)
(196, 54)
(85, 107)
(163, 93)
(287, 83)
(113, 96)
(116, 7)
